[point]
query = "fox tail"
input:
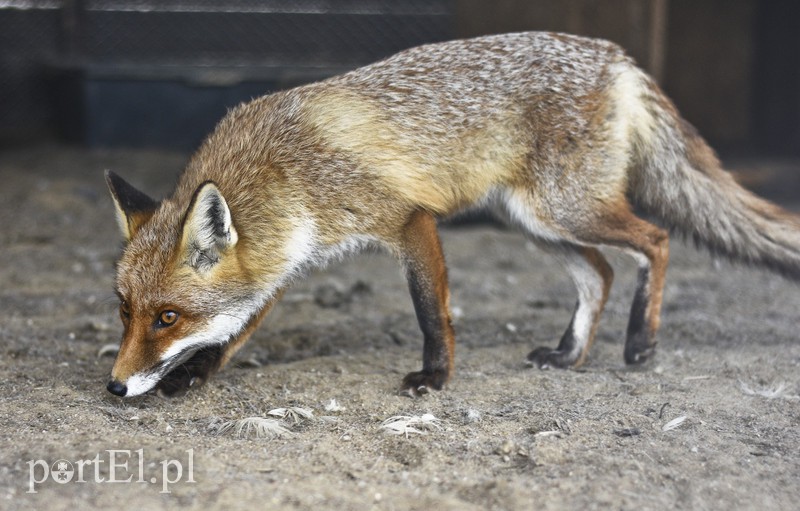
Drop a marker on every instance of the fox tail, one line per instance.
(680, 182)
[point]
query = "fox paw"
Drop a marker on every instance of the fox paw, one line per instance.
(191, 374)
(420, 383)
(639, 347)
(545, 358)
(638, 356)
(178, 385)
(184, 377)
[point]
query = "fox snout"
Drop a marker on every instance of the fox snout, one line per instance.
(192, 373)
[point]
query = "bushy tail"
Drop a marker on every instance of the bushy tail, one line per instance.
(680, 182)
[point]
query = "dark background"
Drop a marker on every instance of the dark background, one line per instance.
(150, 73)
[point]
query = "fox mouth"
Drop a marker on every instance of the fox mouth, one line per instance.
(198, 366)
(190, 368)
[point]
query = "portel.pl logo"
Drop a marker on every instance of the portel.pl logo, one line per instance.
(124, 466)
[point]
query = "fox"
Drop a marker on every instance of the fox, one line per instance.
(562, 137)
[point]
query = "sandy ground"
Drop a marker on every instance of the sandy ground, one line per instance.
(507, 436)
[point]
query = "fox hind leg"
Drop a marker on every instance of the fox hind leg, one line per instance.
(587, 266)
(649, 245)
(593, 277)
(615, 226)
(645, 315)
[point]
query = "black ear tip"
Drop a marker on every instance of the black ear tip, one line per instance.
(111, 177)
(129, 198)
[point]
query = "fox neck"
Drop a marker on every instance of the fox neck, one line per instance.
(306, 248)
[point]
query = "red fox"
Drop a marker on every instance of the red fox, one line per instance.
(561, 136)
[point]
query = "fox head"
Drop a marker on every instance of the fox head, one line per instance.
(183, 300)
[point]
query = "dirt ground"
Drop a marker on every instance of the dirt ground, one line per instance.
(507, 437)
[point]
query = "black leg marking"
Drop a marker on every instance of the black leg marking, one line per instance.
(640, 343)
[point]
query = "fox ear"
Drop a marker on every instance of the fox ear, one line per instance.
(133, 207)
(208, 228)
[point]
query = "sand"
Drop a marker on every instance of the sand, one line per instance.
(710, 423)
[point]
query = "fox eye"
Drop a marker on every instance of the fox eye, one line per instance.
(124, 309)
(166, 318)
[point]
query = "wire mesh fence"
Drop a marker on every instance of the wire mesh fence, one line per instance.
(44, 44)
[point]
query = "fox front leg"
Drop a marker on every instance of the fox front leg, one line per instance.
(427, 282)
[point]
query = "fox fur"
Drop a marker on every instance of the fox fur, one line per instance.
(561, 136)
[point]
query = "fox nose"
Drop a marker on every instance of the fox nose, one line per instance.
(117, 388)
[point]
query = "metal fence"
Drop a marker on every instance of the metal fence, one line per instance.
(50, 50)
